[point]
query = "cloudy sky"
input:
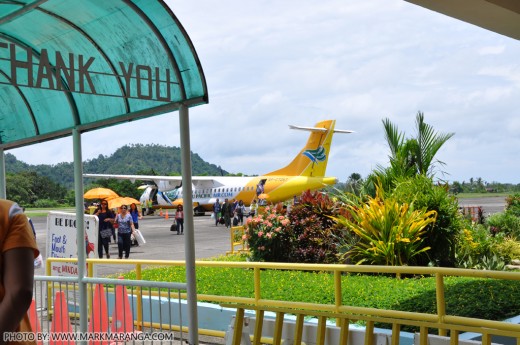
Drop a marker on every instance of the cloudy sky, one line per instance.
(272, 63)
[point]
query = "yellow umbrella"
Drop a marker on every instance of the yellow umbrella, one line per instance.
(100, 193)
(120, 201)
(263, 196)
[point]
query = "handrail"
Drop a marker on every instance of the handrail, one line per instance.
(439, 320)
(239, 231)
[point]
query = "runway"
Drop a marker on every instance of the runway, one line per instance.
(489, 205)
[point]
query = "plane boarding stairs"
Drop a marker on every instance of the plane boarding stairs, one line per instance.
(332, 334)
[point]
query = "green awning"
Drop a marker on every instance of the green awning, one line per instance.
(87, 64)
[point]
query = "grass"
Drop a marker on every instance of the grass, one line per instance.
(43, 212)
(470, 297)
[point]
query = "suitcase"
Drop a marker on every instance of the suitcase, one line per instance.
(139, 237)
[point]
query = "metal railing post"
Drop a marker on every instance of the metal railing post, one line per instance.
(441, 303)
(138, 276)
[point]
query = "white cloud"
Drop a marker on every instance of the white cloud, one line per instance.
(273, 63)
(492, 50)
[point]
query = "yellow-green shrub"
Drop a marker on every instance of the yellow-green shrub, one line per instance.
(391, 233)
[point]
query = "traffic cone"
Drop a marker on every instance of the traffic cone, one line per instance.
(122, 319)
(166, 216)
(60, 319)
(160, 212)
(99, 314)
(33, 319)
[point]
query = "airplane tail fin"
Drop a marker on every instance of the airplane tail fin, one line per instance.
(312, 159)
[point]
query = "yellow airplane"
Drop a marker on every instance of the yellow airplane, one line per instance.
(305, 172)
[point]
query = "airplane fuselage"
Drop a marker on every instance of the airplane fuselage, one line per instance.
(273, 188)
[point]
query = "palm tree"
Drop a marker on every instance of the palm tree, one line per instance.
(415, 155)
(412, 156)
(429, 143)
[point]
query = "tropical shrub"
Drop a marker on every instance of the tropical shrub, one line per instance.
(308, 234)
(390, 232)
(513, 204)
(506, 223)
(269, 236)
(480, 248)
(440, 235)
(508, 249)
(314, 229)
(472, 244)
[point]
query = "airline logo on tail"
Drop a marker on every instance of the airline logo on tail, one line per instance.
(316, 155)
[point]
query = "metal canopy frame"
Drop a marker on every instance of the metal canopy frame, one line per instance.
(500, 16)
(67, 67)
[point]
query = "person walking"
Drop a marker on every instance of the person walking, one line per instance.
(227, 213)
(17, 253)
(253, 208)
(179, 219)
(240, 210)
(216, 211)
(143, 207)
(136, 215)
(124, 231)
(149, 207)
(106, 218)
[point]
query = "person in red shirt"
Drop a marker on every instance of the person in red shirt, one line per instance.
(18, 251)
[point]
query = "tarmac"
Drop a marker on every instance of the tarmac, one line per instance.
(161, 243)
(490, 205)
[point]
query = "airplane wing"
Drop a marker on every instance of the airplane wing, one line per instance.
(164, 182)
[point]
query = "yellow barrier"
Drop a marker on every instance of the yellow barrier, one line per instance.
(344, 313)
(235, 237)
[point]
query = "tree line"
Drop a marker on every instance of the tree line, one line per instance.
(45, 185)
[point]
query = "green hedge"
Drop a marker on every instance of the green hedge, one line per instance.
(470, 297)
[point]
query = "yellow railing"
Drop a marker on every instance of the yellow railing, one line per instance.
(441, 321)
(235, 237)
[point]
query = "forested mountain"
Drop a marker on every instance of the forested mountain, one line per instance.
(128, 160)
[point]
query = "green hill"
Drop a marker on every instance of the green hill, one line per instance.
(129, 160)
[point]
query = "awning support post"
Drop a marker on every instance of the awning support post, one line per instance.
(80, 232)
(189, 239)
(3, 189)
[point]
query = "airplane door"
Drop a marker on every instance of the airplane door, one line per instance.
(260, 187)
